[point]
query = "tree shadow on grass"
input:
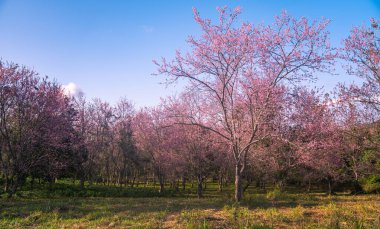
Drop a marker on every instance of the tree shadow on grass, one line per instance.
(94, 208)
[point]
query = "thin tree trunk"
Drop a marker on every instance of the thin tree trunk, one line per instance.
(220, 182)
(51, 182)
(238, 184)
(329, 191)
(162, 183)
(330, 187)
(6, 185)
(133, 181)
(200, 186)
(183, 183)
(82, 182)
(32, 183)
(14, 186)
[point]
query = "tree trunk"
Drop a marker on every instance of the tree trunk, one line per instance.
(162, 183)
(146, 183)
(220, 182)
(82, 182)
(50, 187)
(330, 188)
(32, 183)
(13, 188)
(175, 185)
(238, 184)
(133, 181)
(200, 186)
(183, 183)
(6, 184)
(329, 191)
(280, 185)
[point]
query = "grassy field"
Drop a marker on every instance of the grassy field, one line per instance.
(259, 209)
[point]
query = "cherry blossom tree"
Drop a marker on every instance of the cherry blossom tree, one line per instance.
(37, 134)
(238, 73)
(318, 138)
(82, 125)
(359, 125)
(362, 51)
(150, 128)
(18, 93)
(358, 105)
(127, 159)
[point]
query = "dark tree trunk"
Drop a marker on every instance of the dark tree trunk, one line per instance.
(220, 181)
(309, 186)
(280, 184)
(146, 183)
(51, 182)
(183, 183)
(133, 181)
(6, 184)
(82, 182)
(32, 183)
(12, 187)
(162, 183)
(330, 190)
(175, 185)
(200, 186)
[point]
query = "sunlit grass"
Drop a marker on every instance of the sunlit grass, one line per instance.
(259, 209)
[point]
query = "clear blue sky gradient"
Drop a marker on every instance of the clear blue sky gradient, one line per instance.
(107, 47)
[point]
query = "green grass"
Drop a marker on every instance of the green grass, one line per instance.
(259, 209)
(66, 188)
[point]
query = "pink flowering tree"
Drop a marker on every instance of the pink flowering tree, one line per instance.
(317, 137)
(362, 51)
(359, 104)
(153, 140)
(237, 75)
(37, 135)
(201, 150)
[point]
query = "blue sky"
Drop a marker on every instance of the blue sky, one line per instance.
(107, 47)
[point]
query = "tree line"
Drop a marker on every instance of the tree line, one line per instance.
(246, 116)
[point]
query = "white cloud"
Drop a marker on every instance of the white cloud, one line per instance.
(71, 89)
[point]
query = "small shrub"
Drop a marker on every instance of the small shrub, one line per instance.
(277, 194)
(371, 184)
(274, 195)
